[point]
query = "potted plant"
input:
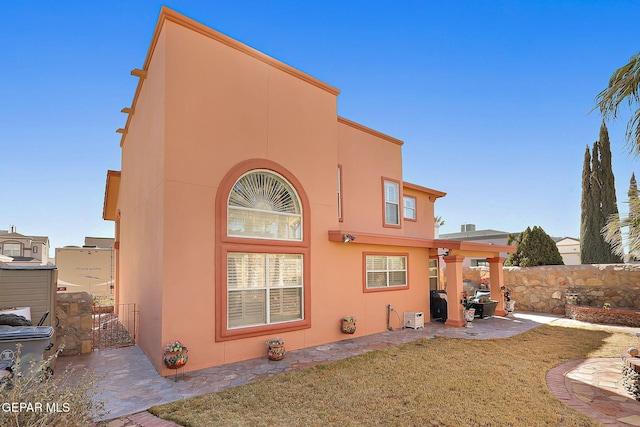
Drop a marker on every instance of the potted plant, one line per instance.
(175, 355)
(348, 324)
(275, 349)
(468, 310)
(509, 304)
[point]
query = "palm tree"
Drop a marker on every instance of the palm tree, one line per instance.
(624, 85)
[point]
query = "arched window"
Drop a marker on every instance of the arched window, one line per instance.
(264, 205)
(263, 252)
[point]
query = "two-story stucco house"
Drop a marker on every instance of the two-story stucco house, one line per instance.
(247, 209)
(21, 250)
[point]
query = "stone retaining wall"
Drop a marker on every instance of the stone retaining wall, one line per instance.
(630, 376)
(74, 327)
(624, 317)
(543, 289)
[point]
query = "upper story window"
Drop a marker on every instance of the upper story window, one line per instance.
(391, 202)
(11, 249)
(409, 205)
(263, 205)
(340, 192)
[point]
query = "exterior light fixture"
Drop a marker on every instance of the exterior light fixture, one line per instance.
(348, 238)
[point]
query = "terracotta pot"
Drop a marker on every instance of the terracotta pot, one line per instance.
(276, 351)
(348, 327)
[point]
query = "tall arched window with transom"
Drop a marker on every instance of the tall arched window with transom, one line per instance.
(264, 284)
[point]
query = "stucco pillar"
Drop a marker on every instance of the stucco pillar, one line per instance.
(453, 273)
(496, 281)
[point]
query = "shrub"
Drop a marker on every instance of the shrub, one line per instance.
(534, 247)
(33, 397)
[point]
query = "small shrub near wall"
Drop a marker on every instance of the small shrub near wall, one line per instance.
(33, 398)
(542, 289)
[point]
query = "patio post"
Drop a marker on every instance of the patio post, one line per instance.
(496, 281)
(453, 274)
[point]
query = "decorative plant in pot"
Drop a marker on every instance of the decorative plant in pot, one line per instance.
(509, 304)
(275, 349)
(348, 324)
(175, 355)
(468, 310)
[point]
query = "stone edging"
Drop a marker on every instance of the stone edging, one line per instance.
(602, 316)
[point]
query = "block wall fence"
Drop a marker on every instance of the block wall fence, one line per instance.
(74, 322)
(543, 289)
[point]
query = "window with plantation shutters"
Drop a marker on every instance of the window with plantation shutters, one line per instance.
(385, 271)
(264, 288)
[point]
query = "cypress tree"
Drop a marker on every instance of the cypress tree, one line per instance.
(633, 188)
(598, 203)
(609, 204)
(587, 226)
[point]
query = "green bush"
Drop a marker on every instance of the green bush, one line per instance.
(33, 397)
(534, 247)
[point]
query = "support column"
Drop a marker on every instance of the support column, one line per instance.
(496, 281)
(453, 274)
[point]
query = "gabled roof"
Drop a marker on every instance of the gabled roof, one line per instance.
(43, 239)
(14, 236)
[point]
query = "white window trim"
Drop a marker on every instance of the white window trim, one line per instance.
(409, 208)
(387, 202)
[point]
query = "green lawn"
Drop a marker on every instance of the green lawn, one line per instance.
(437, 382)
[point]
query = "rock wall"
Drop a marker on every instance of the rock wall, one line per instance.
(624, 317)
(543, 289)
(74, 328)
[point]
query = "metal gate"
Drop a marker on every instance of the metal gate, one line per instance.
(114, 326)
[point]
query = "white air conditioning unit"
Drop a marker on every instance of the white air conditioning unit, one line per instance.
(413, 319)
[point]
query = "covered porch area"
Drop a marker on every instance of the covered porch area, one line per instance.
(454, 254)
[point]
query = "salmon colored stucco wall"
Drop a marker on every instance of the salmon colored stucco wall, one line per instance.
(205, 107)
(365, 160)
(140, 206)
(424, 224)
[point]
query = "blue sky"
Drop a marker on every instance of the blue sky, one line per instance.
(492, 98)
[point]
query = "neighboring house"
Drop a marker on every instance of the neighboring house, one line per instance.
(568, 247)
(23, 250)
(247, 209)
(90, 268)
(569, 250)
(469, 233)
